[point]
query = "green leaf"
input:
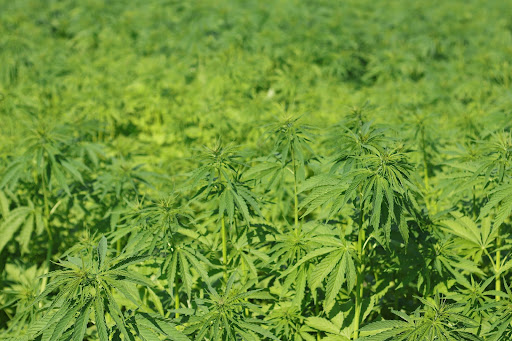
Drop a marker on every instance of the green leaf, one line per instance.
(81, 323)
(334, 283)
(99, 316)
(321, 270)
(64, 322)
(102, 251)
(4, 204)
(72, 170)
(311, 255)
(12, 173)
(11, 224)
(163, 326)
(147, 334)
(61, 179)
(300, 287)
(129, 261)
(322, 324)
(26, 233)
(117, 316)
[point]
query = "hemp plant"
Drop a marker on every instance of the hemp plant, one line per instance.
(220, 182)
(90, 282)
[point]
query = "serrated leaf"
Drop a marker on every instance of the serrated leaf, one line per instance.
(12, 223)
(99, 316)
(322, 324)
(81, 323)
(102, 251)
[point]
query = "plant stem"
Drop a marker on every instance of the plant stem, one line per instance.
(360, 273)
(498, 264)
(224, 237)
(498, 260)
(425, 167)
(359, 287)
(296, 198)
(46, 219)
(176, 296)
(425, 163)
(224, 246)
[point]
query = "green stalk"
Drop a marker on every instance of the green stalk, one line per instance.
(46, 219)
(360, 272)
(425, 167)
(296, 204)
(498, 256)
(224, 237)
(425, 164)
(498, 264)
(224, 246)
(359, 287)
(176, 296)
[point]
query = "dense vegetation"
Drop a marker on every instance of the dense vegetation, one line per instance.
(255, 170)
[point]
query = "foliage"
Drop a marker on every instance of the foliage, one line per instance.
(255, 170)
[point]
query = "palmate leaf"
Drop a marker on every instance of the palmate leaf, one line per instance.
(81, 323)
(219, 179)
(501, 201)
(314, 254)
(333, 328)
(151, 326)
(502, 311)
(322, 324)
(345, 270)
(48, 320)
(300, 285)
(48, 156)
(53, 325)
(436, 320)
(291, 246)
(55, 332)
(221, 316)
(14, 172)
(99, 317)
(325, 267)
(95, 276)
(288, 322)
(323, 190)
(241, 204)
(390, 191)
(462, 179)
(267, 170)
(60, 178)
(116, 315)
(476, 238)
(237, 195)
(387, 330)
(182, 260)
(290, 136)
(450, 261)
(246, 256)
(124, 262)
(336, 264)
(379, 181)
(21, 217)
